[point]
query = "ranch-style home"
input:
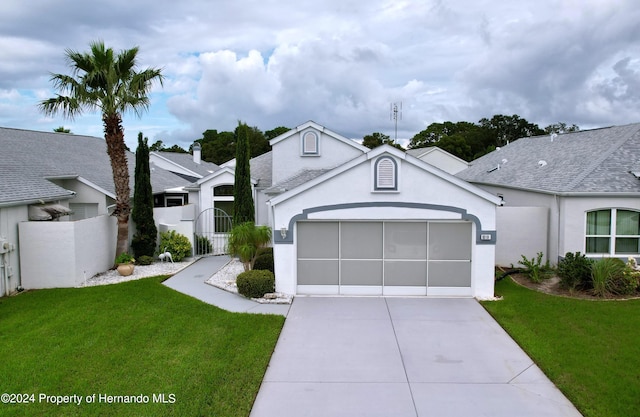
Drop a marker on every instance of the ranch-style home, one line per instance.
(574, 192)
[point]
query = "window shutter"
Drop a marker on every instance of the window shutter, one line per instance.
(310, 143)
(386, 174)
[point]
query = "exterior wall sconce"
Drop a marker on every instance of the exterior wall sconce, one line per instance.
(283, 232)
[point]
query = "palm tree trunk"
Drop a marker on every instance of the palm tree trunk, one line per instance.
(114, 136)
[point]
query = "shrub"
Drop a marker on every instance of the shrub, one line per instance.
(144, 260)
(255, 283)
(607, 275)
(245, 240)
(203, 245)
(175, 243)
(264, 262)
(575, 271)
(124, 258)
(534, 268)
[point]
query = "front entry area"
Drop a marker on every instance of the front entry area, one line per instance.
(384, 257)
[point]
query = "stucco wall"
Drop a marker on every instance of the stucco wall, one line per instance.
(63, 254)
(445, 162)
(288, 161)
(521, 231)
(84, 194)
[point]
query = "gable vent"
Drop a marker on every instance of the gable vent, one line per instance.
(310, 143)
(386, 174)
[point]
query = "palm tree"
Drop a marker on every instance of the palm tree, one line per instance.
(108, 82)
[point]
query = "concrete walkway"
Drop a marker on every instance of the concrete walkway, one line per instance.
(374, 356)
(191, 281)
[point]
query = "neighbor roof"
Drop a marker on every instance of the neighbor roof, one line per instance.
(589, 161)
(186, 161)
(30, 158)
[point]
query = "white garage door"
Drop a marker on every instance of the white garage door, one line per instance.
(384, 258)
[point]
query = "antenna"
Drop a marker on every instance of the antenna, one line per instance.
(395, 113)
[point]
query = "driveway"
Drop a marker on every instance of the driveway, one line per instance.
(374, 356)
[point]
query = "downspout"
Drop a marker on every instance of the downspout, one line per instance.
(558, 205)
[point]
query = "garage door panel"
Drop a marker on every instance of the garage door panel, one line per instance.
(405, 240)
(449, 274)
(361, 240)
(313, 239)
(405, 273)
(358, 272)
(450, 241)
(318, 272)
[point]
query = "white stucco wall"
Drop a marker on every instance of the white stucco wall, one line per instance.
(9, 219)
(521, 231)
(288, 159)
(355, 186)
(85, 194)
(63, 254)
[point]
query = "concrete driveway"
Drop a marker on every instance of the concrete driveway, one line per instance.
(397, 357)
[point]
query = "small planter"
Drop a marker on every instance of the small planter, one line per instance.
(125, 269)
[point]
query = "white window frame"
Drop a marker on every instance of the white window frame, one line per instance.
(306, 148)
(612, 236)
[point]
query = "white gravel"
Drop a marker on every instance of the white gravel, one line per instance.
(225, 279)
(139, 271)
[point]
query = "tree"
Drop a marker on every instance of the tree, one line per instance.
(157, 146)
(244, 241)
(377, 139)
(243, 207)
(560, 128)
(274, 133)
(174, 148)
(108, 82)
(144, 241)
(506, 129)
(61, 129)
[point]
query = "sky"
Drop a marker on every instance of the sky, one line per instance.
(340, 63)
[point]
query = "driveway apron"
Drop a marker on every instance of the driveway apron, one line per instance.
(375, 356)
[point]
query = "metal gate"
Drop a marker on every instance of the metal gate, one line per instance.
(212, 232)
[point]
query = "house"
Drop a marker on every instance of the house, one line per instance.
(66, 178)
(350, 220)
(574, 192)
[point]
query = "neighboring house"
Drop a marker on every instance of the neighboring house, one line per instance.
(66, 178)
(575, 192)
(440, 158)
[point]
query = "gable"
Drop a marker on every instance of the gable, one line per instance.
(310, 147)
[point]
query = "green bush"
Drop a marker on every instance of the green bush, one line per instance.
(255, 283)
(534, 267)
(124, 258)
(144, 260)
(265, 250)
(575, 271)
(176, 244)
(264, 262)
(608, 276)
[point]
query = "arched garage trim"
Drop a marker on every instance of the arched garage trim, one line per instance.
(483, 237)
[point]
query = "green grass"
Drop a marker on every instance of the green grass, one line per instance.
(589, 349)
(138, 337)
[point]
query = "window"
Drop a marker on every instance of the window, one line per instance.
(613, 231)
(309, 143)
(386, 174)
(223, 200)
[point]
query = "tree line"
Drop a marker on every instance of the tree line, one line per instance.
(465, 140)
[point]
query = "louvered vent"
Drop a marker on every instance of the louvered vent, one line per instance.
(386, 174)
(310, 143)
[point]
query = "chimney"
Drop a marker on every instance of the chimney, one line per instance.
(196, 153)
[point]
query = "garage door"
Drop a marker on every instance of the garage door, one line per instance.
(384, 258)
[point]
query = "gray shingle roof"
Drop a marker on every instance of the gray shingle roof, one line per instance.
(261, 167)
(295, 181)
(29, 158)
(185, 160)
(589, 161)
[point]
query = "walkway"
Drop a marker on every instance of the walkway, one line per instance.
(191, 281)
(374, 356)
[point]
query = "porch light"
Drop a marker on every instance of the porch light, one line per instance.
(283, 232)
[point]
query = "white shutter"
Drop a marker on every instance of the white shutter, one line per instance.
(386, 174)
(310, 143)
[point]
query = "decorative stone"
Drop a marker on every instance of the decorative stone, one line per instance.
(125, 269)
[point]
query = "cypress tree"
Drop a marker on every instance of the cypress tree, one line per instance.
(144, 241)
(243, 207)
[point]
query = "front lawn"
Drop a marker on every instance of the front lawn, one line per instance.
(135, 341)
(589, 349)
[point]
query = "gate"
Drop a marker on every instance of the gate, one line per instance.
(212, 229)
